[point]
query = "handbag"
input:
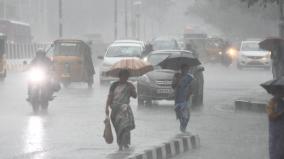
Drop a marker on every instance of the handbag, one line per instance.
(108, 132)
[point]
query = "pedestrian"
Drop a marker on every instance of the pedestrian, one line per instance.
(88, 64)
(121, 114)
(275, 111)
(277, 62)
(183, 90)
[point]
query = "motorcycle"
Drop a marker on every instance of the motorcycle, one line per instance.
(40, 89)
(229, 57)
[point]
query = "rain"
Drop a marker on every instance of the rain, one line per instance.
(141, 79)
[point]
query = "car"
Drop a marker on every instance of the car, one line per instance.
(131, 42)
(157, 84)
(165, 43)
(251, 55)
(116, 52)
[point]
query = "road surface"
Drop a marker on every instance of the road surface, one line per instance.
(74, 126)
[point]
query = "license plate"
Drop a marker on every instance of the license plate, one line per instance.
(163, 91)
(65, 76)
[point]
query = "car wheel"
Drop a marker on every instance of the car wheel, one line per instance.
(35, 107)
(66, 84)
(149, 102)
(239, 67)
(90, 85)
(140, 101)
(103, 82)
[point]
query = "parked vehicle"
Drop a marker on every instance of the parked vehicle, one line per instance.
(116, 52)
(16, 31)
(3, 63)
(157, 84)
(72, 61)
(251, 55)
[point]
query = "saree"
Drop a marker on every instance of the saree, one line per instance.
(276, 133)
(182, 101)
(122, 116)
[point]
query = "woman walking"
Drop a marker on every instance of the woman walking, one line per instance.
(183, 90)
(275, 112)
(121, 114)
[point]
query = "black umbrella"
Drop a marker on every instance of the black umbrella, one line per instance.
(274, 86)
(271, 43)
(174, 61)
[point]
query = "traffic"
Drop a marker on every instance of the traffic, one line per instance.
(140, 79)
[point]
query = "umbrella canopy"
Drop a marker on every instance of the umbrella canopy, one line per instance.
(271, 43)
(274, 86)
(136, 67)
(174, 61)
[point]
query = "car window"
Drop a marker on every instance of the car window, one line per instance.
(124, 51)
(155, 59)
(67, 49)
(250, 46)
(165, 45)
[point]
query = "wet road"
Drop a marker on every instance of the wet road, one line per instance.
(73, 128)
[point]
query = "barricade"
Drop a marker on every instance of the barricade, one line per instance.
(18, 53)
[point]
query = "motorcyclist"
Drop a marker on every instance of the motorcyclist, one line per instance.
(41, 60)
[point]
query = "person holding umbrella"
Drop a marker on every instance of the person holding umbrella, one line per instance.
(276, 46)
(182, 83)
(275, 111)
(183, 90)
(121, 114)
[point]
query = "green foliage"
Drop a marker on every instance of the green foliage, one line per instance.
(261, 2)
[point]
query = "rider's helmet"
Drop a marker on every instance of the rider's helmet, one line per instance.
(40, 52)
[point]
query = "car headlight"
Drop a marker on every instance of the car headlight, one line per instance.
(145, 79)
(232, 52)
(37, 75)
(145, 59)
(268, 55)
(105, 66)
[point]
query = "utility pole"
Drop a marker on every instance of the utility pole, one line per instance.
(281, 23)
(4, 9)
(126, 17)
(60, 18)
(115, 19)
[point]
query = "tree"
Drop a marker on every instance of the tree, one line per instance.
(264, 3)
(234, 19)
(261, 2)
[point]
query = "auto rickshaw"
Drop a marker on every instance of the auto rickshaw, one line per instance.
(72, 61)
(3, 63)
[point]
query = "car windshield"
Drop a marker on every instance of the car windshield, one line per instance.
(67, 49)
(124, 51)
(251, 46)
(164, 45)
(155, 59)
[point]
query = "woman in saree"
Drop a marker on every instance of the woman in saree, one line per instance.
(275, 111)
(121, 114)
(182, 83)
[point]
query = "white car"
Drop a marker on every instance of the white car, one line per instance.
(251, 55)
(130, 42)
(116, 52)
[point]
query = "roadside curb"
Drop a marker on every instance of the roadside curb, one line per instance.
(243, 105)
(174, 147)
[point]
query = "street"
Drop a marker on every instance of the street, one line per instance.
(74, 125)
